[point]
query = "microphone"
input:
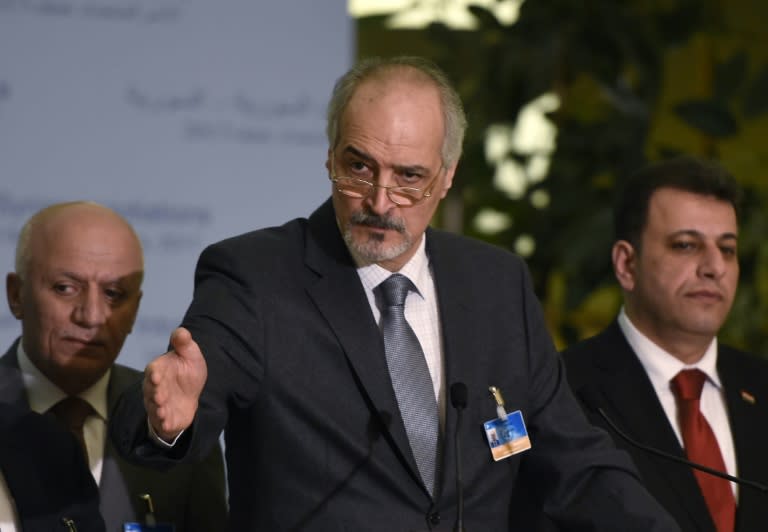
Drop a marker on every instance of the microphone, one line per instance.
(459, 402)
(592, 400)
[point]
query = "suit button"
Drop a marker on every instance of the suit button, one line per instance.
(434, 518)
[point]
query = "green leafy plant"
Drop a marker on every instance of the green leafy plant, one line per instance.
(634, 81)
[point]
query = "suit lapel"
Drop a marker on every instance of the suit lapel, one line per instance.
(633, 405)
(632, 397)
(352, 322)
(11, 382)
(453, 305)
(455, 313)
(17, 469)
(741, 403)
(117, 500)
(744, 402)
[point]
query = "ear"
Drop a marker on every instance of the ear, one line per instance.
(448, 181)
(13, 292)
(624, 259)
(328, 160)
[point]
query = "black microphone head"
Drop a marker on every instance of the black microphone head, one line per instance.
(459, 395)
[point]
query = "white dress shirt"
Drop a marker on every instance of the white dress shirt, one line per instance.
(43, 394)
(9, 519)
(420, 311)
(662, 367)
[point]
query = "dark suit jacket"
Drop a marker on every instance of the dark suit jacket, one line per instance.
(192, 495)
(314, 438)
(46, 474)
(608, 366)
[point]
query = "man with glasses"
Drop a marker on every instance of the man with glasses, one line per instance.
(325, 348)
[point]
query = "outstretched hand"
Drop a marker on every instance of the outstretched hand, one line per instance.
(172, 385)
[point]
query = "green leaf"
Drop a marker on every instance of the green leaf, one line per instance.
(729, 76)
(710, 117)
(756, 100)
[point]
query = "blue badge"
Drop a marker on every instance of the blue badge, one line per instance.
(507, 435)
(138, 527)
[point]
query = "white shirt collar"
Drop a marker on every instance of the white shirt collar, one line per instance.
(660, 365)
(43, 394)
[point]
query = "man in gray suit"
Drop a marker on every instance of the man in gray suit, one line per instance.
(76, 291)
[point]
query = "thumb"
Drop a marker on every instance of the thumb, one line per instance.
(182, 343)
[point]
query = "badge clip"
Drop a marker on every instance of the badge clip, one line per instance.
(506, 434)
(150, 521)
(149, 517)
(496, 393)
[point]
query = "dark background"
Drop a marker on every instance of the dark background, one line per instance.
(633, 81)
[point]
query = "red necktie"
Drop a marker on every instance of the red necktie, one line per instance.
(701, 447)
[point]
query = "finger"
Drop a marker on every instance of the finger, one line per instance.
(155, 386)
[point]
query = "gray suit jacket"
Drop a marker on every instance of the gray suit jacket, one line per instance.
(297, 376)
(192, 495)
(607, 368)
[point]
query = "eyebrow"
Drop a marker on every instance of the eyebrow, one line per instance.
(699, 234)
(80, 279)
(415, 168)
(69, 275)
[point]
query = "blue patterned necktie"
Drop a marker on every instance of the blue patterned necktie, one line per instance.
(410, 377)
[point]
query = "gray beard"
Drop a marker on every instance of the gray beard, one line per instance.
(372, 250)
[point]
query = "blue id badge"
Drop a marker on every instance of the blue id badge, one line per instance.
(138, 527)
(507, 435)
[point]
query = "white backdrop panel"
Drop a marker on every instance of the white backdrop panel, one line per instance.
(196, 119)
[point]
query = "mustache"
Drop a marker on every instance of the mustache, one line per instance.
(376, 221)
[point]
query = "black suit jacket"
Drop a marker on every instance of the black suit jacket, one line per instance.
(192, 496)
(314, 440)
(607, 365)
(45, 471)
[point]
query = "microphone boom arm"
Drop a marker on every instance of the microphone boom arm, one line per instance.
(657, 452)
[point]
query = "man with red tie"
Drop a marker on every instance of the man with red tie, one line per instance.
(658, 370)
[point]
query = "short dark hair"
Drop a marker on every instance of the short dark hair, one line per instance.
(689, 174)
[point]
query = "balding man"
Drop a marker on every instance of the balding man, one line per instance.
(76, 291)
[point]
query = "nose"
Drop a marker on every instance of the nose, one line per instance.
(91, 310)
(378, 200)
(713, 263)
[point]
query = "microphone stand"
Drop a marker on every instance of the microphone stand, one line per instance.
(459, 402)
(678, 459)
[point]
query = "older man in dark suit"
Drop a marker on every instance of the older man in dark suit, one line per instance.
(76, 291)
(675, 257)
(326, 348)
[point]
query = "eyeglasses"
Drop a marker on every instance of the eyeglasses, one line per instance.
(402, 196)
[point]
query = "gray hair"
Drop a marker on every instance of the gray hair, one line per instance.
(453, 111)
